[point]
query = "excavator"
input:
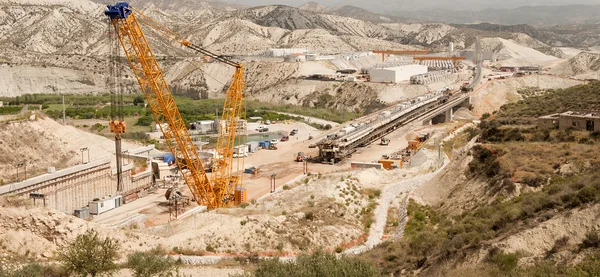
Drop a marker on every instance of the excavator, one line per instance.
(225, 182)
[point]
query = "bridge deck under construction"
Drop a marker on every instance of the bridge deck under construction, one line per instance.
(335, 148)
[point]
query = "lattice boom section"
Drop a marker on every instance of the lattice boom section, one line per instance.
(161, 102)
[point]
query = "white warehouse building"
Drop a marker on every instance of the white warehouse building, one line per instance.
(396, 74)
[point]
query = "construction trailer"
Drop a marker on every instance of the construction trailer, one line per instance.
(252, 146)
(99, 206)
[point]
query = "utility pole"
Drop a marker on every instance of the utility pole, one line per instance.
(20, 165)
(539, 77)
(63, 104)
(273, 182)
(84, 149)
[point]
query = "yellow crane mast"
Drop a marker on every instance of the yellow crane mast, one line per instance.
(218, 191)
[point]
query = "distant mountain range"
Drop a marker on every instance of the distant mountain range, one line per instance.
(538, 16)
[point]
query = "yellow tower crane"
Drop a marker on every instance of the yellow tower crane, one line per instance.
(218, 191)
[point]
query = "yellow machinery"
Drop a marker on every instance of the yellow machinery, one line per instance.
(219, 190)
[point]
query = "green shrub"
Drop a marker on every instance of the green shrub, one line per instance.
(484, 162)
(144, 121)
(309, 216)
(587, 194)
(88, 254)
(506, 262)
(31, 270)
(592, 239)
(10, 110)
(154, 263)
(317, 264)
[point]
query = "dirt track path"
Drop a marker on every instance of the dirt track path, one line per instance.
(388, 194)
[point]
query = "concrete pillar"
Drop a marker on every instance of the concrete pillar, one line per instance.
(55, 199)
(449, 115)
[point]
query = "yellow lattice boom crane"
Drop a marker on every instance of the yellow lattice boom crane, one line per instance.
(218, 191)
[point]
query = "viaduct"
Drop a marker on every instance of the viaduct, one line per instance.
(72, 188)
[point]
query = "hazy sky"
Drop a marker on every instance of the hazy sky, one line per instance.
(389, 5)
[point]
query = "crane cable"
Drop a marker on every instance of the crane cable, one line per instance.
(116, 98)
(148, 22)
(181, 40)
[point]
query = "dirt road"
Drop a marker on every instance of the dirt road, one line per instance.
(388, 194)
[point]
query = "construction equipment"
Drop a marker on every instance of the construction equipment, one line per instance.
(251, 170)
(399, 52)
(218, 191)
(419, 140)
(300, 157)
(438, 58)
(390, 164)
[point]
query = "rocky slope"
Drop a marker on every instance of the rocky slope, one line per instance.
(62, 45)
(584, 64)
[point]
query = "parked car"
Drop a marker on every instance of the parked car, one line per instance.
(274, 141)
(285, 138)
(262, 129)
(268, 122)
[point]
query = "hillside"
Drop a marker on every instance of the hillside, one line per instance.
(354, 12)
(519, 202)
(584, 64)
(61, 46)
(518, 52)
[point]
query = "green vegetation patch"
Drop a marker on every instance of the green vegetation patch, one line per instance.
(10, 110)
(582, 97)
(317, 264)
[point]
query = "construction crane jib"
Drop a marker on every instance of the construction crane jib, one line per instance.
(218, 191)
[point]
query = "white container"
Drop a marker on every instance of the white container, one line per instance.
(104, 205)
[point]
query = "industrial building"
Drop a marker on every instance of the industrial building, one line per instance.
(205, 126)
(283, 52)
(438, 65)
(396, 74)
(295, 57)
(579, 121)
(316, 57)
(431, 77)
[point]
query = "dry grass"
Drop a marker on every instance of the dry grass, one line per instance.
(15, 202)
(539, 159)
